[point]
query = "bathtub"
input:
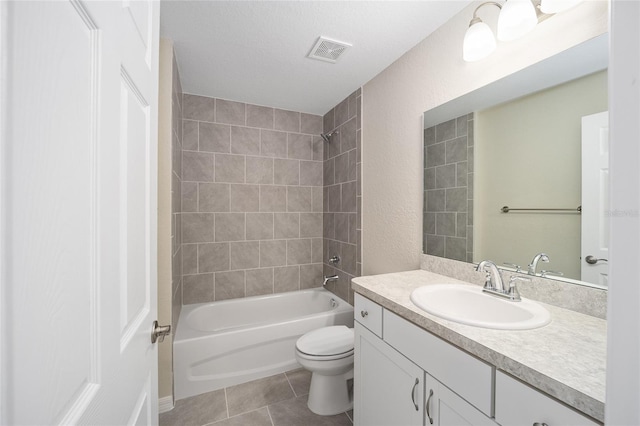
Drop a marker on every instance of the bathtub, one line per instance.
(230, 342)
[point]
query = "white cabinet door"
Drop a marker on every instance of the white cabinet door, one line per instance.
(388, 388)
(445, 408)
(78, 103)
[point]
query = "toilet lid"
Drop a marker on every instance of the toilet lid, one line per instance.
(327, 341)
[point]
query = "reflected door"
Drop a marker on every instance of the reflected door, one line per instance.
(595, 199)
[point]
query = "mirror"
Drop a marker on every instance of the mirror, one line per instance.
(505, 168)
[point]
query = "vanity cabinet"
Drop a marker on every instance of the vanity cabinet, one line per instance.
(518, 404)
(393, 387)
(404, 375)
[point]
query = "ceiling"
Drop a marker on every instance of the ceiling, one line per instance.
(255, 51)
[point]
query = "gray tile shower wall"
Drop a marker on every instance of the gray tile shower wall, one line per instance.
(176, 185)
(448, 189)
(342, 194)
(252, 200)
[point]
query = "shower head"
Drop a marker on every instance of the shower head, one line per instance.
(327, 136)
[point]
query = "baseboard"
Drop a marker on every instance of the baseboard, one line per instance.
(165, 404)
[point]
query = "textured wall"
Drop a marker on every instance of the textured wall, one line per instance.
(430, 74)
(251, 200)
(342, 194)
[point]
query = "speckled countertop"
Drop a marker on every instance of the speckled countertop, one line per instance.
(565, 359)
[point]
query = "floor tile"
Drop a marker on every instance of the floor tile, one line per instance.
(294, 412)
(300, 381)
(197, 410)
(252, 418)
(258, 393)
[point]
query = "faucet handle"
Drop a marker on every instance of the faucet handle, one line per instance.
(488, 285)
(513, 292)
(545, 274)
(513, 265)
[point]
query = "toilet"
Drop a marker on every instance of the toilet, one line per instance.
(328, 353)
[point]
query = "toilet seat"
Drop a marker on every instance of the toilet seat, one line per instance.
(327, 343)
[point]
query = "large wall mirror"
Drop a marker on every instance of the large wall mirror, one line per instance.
(519, 168)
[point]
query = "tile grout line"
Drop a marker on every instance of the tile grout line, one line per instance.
(270, 418)
(226, 402)
(348, 416)
(295, 395)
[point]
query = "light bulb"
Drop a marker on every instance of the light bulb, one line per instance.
(516, 19)
(557, 6)
(479, 42)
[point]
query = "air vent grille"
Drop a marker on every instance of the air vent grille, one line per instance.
(328, 50)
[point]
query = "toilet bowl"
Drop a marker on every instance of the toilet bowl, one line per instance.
(328, 353)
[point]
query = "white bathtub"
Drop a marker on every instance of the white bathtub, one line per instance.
(230, 342)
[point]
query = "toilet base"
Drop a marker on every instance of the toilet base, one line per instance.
(330, 395)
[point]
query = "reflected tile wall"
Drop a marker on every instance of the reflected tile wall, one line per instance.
(251, 200)
(448, 189)
(342, 194)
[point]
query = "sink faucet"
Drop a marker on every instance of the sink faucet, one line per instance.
(493, 282)
(534, 263)
(329, 278)
(493, 278)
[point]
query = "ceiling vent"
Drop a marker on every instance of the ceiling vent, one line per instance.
(328, 50)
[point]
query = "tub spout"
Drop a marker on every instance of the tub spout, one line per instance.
(329, 278)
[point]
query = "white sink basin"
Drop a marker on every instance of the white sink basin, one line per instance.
(469, 305)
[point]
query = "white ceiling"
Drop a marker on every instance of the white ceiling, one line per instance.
(255, 51)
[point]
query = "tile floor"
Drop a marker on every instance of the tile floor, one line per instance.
(279, 400)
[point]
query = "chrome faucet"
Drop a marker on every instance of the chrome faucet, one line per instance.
(329, 278)
(493, 282)
(534, 263)
(493, 278)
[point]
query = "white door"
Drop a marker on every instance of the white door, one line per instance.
(595, 199)
(78, 207)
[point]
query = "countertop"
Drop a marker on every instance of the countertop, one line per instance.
(565, 359)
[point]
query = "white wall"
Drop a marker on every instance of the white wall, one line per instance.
(528, 155)
(431, 73)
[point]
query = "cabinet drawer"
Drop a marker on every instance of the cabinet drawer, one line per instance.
(464, 374)
(520, 404)
(368, 313)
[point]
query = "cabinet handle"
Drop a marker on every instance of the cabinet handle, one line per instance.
(364, 313)
(413, 394)
(540, 424)
(427, 406)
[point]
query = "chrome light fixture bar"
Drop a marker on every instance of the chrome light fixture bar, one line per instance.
(516, 19)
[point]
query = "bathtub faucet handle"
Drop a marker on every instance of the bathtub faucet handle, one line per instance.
(329, 278)
(334, 260)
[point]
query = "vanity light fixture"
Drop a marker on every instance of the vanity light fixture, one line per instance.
(517, 18)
